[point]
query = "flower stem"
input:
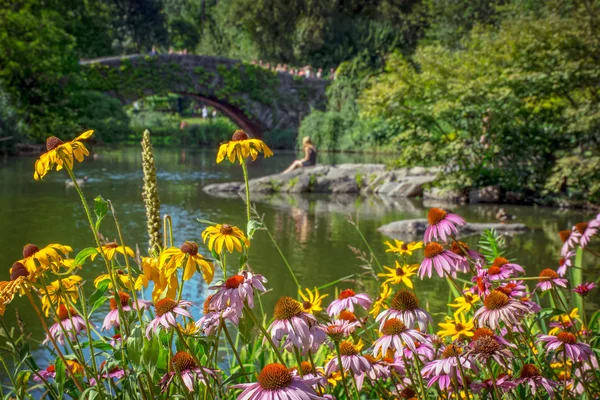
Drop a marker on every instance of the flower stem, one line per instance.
(493, 379)
(285, 261)
(233, 347)
(200, 367)
(245, 170)
(341, 366)
(265, 333)
(314, 367)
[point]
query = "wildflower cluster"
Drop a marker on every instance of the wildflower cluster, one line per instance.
(495, 342)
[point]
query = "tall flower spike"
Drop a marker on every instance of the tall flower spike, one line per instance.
(150, 193)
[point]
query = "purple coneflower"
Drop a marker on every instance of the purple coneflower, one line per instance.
(73, 325)
(505, 264)
(315, 377)
(444, 261)
(346, 301)
(570, 239)
(565, 263)
(380, 371)
(275, 381)
(48, 373)
(291, 324)
(237, 289)
(488, 347)
(211, 320)
(566, 341)
(584, 288)
(423, 350)
(531, 376)
(394, 332)
(186, 367)
(587, 230)
(444, 370)
(405, 307)
(462, 249)
(112, 318)
(115, 372)
(503, 383)
(499, 307)
(441, 224)
(351, 360)
(167, 311)
(514, 289)
(549, 278)
(116, 339)
(339, 329)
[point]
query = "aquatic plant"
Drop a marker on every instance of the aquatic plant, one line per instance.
(495, 340)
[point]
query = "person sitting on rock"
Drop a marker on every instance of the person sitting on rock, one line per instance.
(310, 156)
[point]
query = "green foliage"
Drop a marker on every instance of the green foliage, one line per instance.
(10, 126)
(102, 113)
(492, 244)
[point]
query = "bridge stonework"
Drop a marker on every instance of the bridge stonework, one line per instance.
(258, 100)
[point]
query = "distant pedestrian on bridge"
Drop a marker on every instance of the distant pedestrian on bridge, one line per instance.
(310, 156)
(204, 112)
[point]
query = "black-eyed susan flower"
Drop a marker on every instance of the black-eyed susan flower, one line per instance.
(20, 278)
(120, 276)
(399, 247)
(241, 147)
(162, 284)
(311, 301)
(59, 153)
(37, 260)
(400, 274)
(111, 249)
(465, 303)
(225, 236)
(186, 257)
(457, 327)
(380, 303)
(57, 291)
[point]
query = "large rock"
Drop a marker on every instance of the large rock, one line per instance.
(344, 178)
(486, 194)
(416, 227)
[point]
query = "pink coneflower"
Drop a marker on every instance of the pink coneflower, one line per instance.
(339, 329)
(167, 311)
(566, 341)
(211, 320)
(394, 333)
(351, 360)
(467, 255)
(504, 263)
(531, 376)
(498, 307)
(514, 289)
(486, 348)
(48, 373)
(317, 338)
(532, 305)
(587, 230)
(570, 239)
(444, 261)
(584, 288)
(116, 339)
(237, 289)
(441, 224)
(503, 382)
(549, 278)
(502, 270)
(405, 307)
(73, 325)
(112, 318)
(483, 285)
(444, 370)
(423, 350)
(565, 263)
(275, 381)
(380, 371)
(114, 372)
(311, 375)
(186, 367)
(291, 324)
(346, 301)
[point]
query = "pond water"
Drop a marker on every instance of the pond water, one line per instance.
(312, 230)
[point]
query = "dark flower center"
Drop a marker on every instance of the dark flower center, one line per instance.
(53, 142)
(564, 235)
(63, 313)
(481, 333)
(370, 359)
(306, 368)
(348, 349)
(274, 376)
(117, 336)
(400, 271)
(487, 345)
(29, 250)
(226, 229)
(239, 135)
(347, 316)
(393, 326)
(164, 306)
(494, 270)
(18, 270)
(468, 298)
(496, 300)
(500, 261)
(287, 308)
(404, 246)
(51, 368)
(581, 227)
(207, 307)
(433, 249)
(234, 282)
(347, 293)
(183, 361)
(405, 301)
(529, 371)
(451, 351)
(123, 298)
(459, 248)
(459, 327)
(307, 305)
(507, 289)
(190, 248)
(548, 273)
(566, 337)
(111, 245)
(436, 215)
(561, 262)
(407, 393)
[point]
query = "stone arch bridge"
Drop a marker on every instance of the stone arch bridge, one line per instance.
(256, 99)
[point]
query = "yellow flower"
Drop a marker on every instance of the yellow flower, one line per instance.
(188, 258)
(60, 154)
(457, 327)
(400, 274)
(151, 273)
(120, 276)
(111, 249)
(37, 260)
(241, 147)
(230, 236)
(465, 303)
(334, 378)
(75, 367)
(379, 304)
(566, 321)
(189, 330)
(559, 369)
(312, 301)
(399, 247)
(55, 292)
(20, 278)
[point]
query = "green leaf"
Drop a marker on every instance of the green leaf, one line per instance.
(252, 226)
(234, 377)
(59, 367)
(98, 303)
(83, 255)
(100, 209)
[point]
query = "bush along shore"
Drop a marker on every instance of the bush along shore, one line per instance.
(495, 340)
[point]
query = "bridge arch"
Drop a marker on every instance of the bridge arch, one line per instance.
(258, 100)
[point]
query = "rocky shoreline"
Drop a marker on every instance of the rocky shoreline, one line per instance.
(416, 227)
